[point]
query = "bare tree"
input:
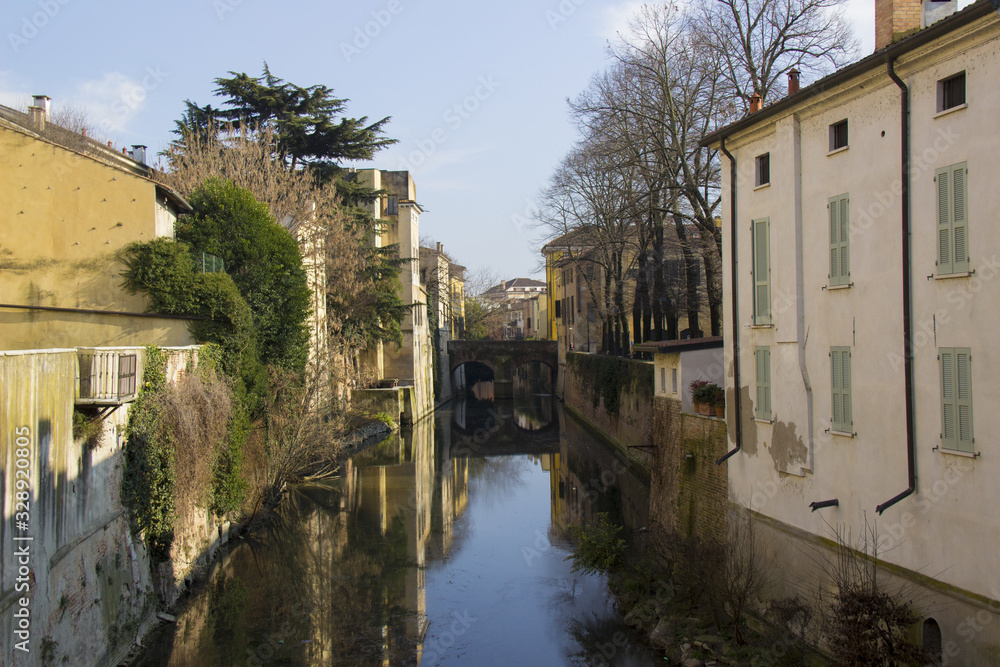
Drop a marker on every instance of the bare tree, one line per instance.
(756, 41)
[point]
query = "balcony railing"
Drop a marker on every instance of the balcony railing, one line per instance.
(107, 377)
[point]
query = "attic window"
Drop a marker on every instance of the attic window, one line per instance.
(392, 205)
(838, 135)
(951, 92)
(763, 170)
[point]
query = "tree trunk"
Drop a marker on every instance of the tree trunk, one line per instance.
(690, 278)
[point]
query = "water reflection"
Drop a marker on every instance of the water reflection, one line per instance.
(443, 545)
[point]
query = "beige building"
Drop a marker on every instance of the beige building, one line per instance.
(862, 213)
(67, 205)
(398, 217)
(444, 283)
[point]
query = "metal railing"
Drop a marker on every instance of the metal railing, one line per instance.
(106, 376)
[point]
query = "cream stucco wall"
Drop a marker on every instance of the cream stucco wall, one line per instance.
(947, 531)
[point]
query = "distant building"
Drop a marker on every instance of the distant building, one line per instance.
(444, 283)
(67, 205)
(861, 214)
(524, 304)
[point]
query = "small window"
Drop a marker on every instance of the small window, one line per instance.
(951, 92)
(663, 380)
(392, 205)
(956, 399)
(559, 308)
(763, 169)
(838, 135)
(674, 380)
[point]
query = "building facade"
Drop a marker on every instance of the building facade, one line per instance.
(860, 246)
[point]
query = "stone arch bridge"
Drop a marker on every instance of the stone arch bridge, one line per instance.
(503, 357)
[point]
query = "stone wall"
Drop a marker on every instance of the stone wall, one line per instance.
(615, 397)
(688, 491)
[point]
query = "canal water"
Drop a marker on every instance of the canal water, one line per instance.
(445, 544)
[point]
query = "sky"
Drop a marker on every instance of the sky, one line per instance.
(477, 91)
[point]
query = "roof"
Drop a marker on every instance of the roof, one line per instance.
(683, 345)
(525, 282)
(878, 59)
(84, 145)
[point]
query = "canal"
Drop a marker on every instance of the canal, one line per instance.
(445, 544)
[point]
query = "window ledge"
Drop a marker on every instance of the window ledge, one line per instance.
(761, 326)
(838, 150)
(843, 434)
(947, 276)
(831, 288)
(956, 452)
(764, 421)
(951, 110)
(762, 186)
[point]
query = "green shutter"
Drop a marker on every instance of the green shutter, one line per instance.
(840, 381)
(840, 256)
(956, 398)
(761, 273)
(952, 219)
(959, 217)
(762, 356)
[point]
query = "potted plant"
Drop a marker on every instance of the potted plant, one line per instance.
(697, 393)
(705, 396)
(720, 402)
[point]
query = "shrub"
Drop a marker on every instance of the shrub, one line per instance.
(599, 547)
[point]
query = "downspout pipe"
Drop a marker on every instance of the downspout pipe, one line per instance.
(911, 473)
(733, 257)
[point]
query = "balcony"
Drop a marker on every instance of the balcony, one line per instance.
(107, 377)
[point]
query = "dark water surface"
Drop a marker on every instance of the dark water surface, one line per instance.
(443, 545)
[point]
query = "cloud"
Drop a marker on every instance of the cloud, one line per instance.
(111, 101)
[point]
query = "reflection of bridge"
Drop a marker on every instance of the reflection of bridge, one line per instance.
(502, 357)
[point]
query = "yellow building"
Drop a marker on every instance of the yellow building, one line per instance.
(67, 205)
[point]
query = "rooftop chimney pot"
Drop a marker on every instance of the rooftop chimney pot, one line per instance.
(754, 103)
(439, 246)
(793, 81)
(42, 101)
(139, 153)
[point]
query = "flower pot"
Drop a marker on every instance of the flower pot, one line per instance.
(720, 411)
(704, 409)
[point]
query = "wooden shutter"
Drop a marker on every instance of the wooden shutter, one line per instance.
(761, 273)
(959, 219)
(840, 381)
(763, 361)
(945, 254)
(840, 226)
(956, 398)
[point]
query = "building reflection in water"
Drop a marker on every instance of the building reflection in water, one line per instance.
(339, 576)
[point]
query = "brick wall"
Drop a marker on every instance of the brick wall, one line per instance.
(689, 492)
(895, 17)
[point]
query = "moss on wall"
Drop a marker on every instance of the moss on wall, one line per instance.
(608, 377)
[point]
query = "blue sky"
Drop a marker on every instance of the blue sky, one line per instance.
(476, 91)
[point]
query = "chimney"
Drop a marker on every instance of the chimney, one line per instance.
(754, 102)
(439, 247)
(793, 81)
(895, 19)
(139, 153)
(44, 102)
(37, 118)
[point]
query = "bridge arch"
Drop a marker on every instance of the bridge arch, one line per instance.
(503, 357)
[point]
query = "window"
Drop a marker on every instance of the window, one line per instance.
(762, 409)
(761, 273)
(956, 398)
(763, 163)
(840, 379)
(838, 135)
(951, 92)
(840, 227)
(529, 322)
(558, 307)
(953, 223)
(674, 373)
(663, 379)
(392, 205)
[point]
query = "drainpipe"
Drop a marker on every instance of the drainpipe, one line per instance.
(735, 299)
(907, 316)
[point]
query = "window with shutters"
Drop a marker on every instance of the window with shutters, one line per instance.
(956, 399)
(761, 272)
(840, 228)
(952, 219)
(840, 380)
(762, 407)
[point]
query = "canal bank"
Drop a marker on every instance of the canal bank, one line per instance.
(444, 544)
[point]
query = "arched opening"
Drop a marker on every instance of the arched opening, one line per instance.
(932, 641)
(533, 396)
(474, 379)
